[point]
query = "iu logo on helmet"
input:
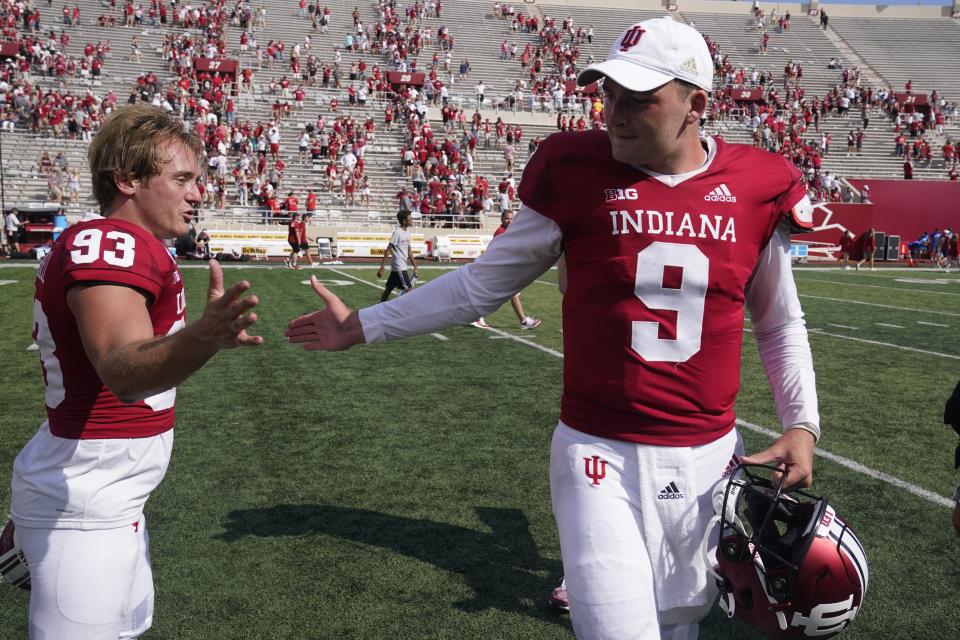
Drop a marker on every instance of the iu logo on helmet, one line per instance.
(826, 619)
(632, 37)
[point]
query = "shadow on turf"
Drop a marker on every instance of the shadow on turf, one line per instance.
(503, 567)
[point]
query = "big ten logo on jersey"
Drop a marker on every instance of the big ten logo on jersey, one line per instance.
(620, 194)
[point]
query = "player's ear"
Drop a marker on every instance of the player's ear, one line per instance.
(125, 183)
(696, 105)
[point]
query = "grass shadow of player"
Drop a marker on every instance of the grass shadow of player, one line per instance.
(502, 566)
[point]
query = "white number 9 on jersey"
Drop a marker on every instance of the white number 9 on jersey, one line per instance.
(687, 301)
(88, 248)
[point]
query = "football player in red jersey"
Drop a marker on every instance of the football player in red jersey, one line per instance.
(114, 343)
(667, 237)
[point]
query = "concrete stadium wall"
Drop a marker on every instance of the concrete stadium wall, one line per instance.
(733, 6)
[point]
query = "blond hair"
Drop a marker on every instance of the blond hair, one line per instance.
(130, 144)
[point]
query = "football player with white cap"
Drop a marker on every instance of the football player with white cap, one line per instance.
(668, 237)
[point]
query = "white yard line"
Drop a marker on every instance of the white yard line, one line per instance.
(933, 324)
(525, 341)
(842, 326)
(882, 306)
(821, 332)
(440, 337)
(886, 324)
(877, 286)
(876, 274)
(360, 280)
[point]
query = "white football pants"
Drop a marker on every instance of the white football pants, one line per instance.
(613, 572)
(89, 585)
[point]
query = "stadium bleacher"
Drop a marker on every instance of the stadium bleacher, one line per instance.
(881, 52)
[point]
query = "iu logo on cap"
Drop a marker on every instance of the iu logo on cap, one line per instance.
(632, 37)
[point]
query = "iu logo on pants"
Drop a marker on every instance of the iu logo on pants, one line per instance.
(595, 469)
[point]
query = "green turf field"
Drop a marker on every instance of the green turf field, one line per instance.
(400, 490)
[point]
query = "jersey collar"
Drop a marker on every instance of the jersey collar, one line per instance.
(672, 180)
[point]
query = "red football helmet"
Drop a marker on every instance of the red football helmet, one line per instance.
(13, 564)
(787, 564)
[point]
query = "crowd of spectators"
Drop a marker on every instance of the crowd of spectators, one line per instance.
(246, 167)
(784, 119)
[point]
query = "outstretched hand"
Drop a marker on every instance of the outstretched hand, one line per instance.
(334, 328)
(227, 315)
(792, 453)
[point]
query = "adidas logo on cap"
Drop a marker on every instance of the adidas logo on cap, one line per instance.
(671, 492)
(720, 194)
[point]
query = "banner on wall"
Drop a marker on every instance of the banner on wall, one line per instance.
(833, 220)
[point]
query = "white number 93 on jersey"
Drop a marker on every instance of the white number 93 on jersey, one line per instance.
(116, 251)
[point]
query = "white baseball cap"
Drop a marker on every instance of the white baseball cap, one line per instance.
(651, 53)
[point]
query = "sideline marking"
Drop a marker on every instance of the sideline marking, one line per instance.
(842, 326)
(880, 286)
(846, 462)
(821, 332)
(933, 324)
(330, 283)
(892, 326)
(882, 306)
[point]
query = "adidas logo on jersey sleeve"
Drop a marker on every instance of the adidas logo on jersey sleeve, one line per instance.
(720, 194)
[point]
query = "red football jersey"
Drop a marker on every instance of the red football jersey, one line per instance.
(105, 251)
(654, 306)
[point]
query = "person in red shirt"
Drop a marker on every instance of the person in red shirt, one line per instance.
(109, 318)
(953, 254)
(869, 247)
(846, 246)
(653, 317)
(298, 240)
(291, 203)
